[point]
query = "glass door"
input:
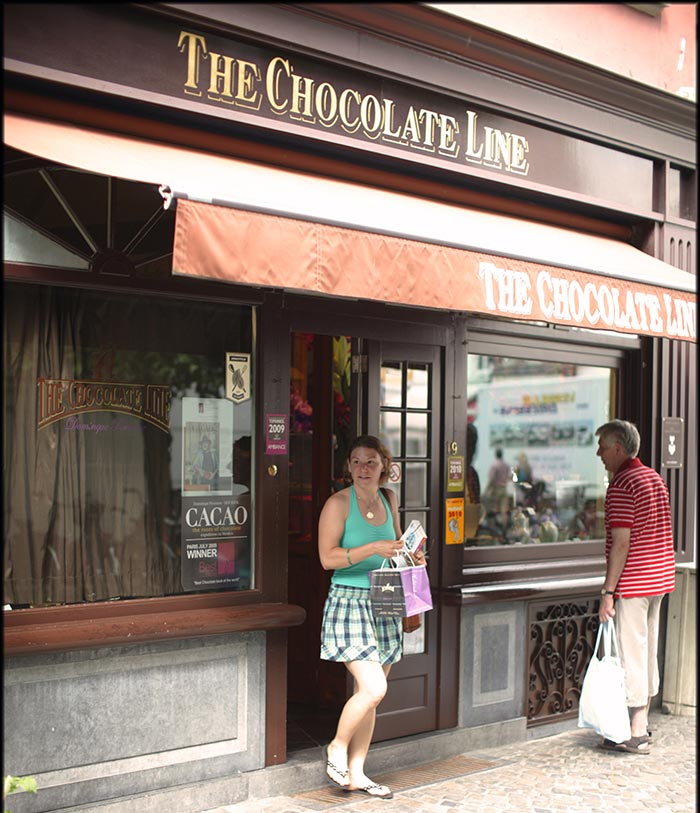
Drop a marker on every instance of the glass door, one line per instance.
(404, 411)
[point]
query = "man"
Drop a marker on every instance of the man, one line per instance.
(499, 501)
(473, 483)
(640, 569)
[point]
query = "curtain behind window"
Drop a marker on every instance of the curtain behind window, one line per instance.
(44, 497)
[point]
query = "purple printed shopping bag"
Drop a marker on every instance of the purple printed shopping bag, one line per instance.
(400, 591)
(416, 590)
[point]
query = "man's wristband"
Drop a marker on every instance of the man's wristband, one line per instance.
(605, 592)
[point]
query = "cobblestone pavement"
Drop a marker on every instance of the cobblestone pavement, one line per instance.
(563, 773)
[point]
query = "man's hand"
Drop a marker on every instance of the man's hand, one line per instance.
(606, 610)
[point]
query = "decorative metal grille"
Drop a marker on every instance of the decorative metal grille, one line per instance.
(562, 637)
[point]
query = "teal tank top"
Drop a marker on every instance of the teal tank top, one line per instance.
(358, 531)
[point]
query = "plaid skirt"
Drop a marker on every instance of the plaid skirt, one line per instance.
(350, 632)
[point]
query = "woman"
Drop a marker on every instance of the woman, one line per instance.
(358, 529)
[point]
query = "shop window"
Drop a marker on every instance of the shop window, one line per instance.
(533, 476)
(24, 244)
(128, 426)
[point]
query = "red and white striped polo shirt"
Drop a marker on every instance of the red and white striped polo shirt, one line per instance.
(637, 498)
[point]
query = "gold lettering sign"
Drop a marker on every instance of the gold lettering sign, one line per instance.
(61, 398)
(224, 79)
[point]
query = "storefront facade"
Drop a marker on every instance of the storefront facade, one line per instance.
(235, 237)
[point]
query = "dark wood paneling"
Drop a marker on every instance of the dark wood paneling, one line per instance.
(666, 386)
(448, 662)
(276, 698)
(28, 631)
(679, 244)
(669, 389)
(272, 474)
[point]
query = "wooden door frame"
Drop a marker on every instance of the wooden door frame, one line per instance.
(377, 322)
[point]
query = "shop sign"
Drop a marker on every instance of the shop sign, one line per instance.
(70, 399)
(238, 377)
(275, 85)
(238, 81)
(568, 297)
(672, 443)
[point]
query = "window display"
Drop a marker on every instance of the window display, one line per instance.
(532, 468)
(127, 468)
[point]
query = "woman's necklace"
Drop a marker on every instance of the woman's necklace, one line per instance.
(369, 513)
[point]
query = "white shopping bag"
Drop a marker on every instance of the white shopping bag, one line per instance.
(603, 703)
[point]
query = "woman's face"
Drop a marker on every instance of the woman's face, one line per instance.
(366, 466)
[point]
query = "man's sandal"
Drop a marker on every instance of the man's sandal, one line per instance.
(635, 745)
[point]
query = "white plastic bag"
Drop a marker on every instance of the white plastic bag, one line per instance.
(603, 704)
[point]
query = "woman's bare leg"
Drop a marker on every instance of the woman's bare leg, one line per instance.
(348, 749)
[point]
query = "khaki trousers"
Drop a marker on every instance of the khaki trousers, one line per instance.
(637, 628)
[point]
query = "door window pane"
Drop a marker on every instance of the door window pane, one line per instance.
(390, 431)
(417, 380)
(416, 490)
(532, 450)
(391, 385)
(414, 642)
(416, 434)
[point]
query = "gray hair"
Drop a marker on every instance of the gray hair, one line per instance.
(622, 432)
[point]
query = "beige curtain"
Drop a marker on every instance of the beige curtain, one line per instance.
(88, 513)
(44, 495)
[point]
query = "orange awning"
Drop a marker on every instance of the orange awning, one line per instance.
(224, 243)
(265, 226)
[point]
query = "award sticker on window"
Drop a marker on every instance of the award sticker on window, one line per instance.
(455, 473)
(276, 434)
(454, 521)
(238, 377)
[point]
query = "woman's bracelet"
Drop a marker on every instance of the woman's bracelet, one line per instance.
(347, 556)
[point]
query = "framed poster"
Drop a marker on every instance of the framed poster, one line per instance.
(216, 521)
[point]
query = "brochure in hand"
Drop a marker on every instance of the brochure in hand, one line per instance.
(413, 538)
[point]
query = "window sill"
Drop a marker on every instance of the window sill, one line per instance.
(581, 572)
(65, 628)
(518, 590)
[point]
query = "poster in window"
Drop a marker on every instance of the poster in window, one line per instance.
(215, 525)
(216, 543)
(207, 445)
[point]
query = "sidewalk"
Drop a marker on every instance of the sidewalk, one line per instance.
(564, 773)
